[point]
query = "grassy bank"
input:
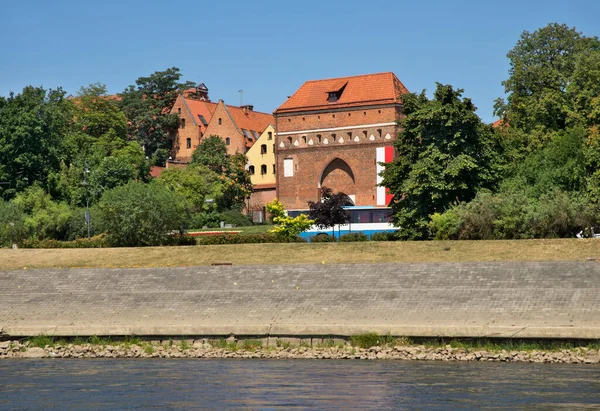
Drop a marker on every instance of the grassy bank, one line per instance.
(328, 253)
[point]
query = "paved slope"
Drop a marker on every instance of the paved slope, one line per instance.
(557, 300)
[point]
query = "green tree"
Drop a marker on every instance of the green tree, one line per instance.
(212, 153)
(540, 87)
(147, 106)
(235, 179)
(196, 183)
(141, 214)
(32, 125)
(444, 155)
(329, 212)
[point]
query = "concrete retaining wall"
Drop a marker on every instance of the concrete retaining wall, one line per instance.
(537, 300)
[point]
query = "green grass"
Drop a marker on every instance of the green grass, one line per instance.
(40, 341)
(250, 345)
(372, 340)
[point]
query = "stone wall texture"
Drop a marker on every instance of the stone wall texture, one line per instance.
(522, 300)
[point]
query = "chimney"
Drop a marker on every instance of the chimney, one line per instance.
(247, 108)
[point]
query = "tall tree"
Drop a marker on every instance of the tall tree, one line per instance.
(542, 68)
(32, 125)
(444, 155)
(147, 105)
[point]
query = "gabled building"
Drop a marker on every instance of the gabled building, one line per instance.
(239, 127)
(261, 166)
(335, 133)
(195, 112)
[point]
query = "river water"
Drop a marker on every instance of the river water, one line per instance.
(159, 384)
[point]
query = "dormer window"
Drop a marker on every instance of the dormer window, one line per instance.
(335, 91)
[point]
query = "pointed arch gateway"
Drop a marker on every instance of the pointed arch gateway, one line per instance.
(338, 176)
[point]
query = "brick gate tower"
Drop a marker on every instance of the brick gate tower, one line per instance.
(334, 133)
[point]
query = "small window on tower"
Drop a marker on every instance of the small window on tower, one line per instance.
(183, 123)
(188, 143)
(179, 110)
(220, 121)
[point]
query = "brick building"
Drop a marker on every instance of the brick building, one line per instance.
(239, 127)
(333, 133)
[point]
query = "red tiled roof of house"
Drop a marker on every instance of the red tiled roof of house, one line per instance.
(250, 120)
(380, 88)
(203, 108)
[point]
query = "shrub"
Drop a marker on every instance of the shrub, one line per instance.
(385, 236)
(98, 241)
(246, 239)
(139, 214)
(445, 226)
(353, 237)
(12, 225)
(322, 238)
(235, 217)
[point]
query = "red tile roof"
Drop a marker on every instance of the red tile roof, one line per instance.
(380, 88)
(250, 119)
(500, 123)
(203, 108)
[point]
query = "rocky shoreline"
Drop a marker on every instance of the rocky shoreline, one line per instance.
(199, 349)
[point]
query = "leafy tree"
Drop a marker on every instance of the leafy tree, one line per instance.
(212, 153)
(235, 179)
(141, 214)
(542, 87)
(196, 183)
(43, 218)
(444, 155)
(329, 212)
(286, 226)
(31, 128)
(147, 106)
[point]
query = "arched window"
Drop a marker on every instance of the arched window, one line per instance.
(220, 121)
(183, 123)
(290, 141)
(251, 170)
(263, 169)
(188, 143)
(227, 140)
(263, 149)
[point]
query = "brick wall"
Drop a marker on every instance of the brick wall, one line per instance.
(351, 146)
(226, 129)
(180, 150)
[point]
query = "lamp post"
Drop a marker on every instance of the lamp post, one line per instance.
(87, 200)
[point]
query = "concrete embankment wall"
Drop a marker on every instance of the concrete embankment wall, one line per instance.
(521, 300)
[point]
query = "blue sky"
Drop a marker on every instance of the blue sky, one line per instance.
(269, 48)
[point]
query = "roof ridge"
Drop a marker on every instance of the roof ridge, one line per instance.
(349, 77)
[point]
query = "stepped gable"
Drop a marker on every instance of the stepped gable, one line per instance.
(379, 88)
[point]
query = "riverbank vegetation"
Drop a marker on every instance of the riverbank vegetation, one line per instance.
(306, 253)
(358, 347)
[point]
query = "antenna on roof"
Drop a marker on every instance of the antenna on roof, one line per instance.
(241, 97)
